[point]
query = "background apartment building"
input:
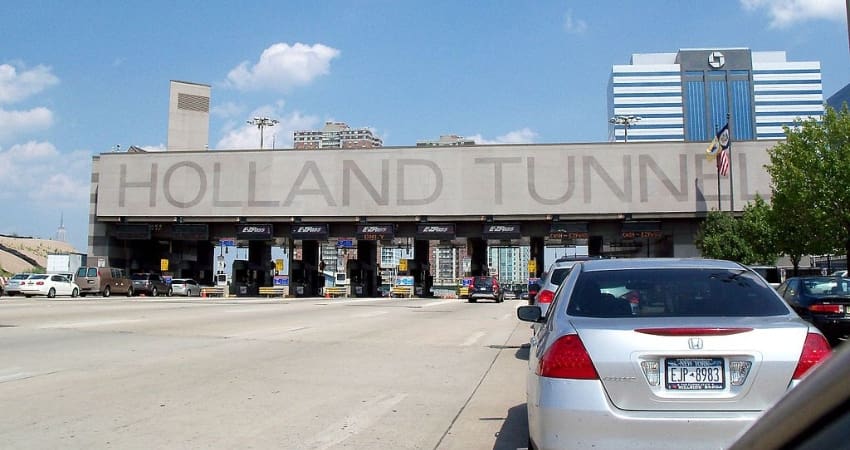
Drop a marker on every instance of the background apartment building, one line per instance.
(336, 135)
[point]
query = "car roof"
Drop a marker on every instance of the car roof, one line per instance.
(659, 263)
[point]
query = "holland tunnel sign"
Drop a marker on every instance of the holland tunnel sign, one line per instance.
(483, 180)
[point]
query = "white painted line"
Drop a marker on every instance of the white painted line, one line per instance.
(91, 323)
(441, 302)
(473, 339)
(370, 314)
(15, 376)
(367, 414)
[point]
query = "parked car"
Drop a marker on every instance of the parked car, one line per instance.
(813, 415)
(708, 346)
(823, 301)
(149, 284)
(103, 280)
(13, 285)
(184, 286)
(49, 285)
(552, 278)
(484, 287)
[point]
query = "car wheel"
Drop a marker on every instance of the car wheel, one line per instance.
(154, 292)
(75, 293)
(130, 292)
(472, 300)
(51, 293)
(107, 292)
(170, 292)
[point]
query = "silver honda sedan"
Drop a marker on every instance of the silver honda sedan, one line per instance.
(661, 353)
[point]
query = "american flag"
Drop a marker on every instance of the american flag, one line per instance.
(723, 162)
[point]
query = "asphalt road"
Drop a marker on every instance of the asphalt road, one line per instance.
(257, 373)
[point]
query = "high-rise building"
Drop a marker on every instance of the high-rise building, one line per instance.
(188, 116)
(447, 140)
(686, 96)
(336, 135)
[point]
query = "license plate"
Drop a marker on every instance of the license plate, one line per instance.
(694, 374)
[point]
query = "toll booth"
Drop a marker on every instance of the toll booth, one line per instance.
(246, 278)
(302, 280)
(362, 278)
(423, 281)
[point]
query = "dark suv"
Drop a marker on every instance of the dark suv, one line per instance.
(485, 287)
(149, 284)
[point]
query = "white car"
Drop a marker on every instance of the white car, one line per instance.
(661, 353)
(49, 285)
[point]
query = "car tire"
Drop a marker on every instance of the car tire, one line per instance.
(130, 292)
(170, 292)
(472, 300)
(51, 293)
(107, 291)
(154, 292)
(75, 293)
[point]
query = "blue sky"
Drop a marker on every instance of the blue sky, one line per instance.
(78, 78)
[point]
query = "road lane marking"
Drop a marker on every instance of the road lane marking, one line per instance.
(91, 323)
(473, 339)
(441, 302)
(370, 314)
(367, 414)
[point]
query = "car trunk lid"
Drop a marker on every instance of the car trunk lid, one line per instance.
(697, 364)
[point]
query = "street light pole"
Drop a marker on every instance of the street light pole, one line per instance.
(262, 122)
(626, 122)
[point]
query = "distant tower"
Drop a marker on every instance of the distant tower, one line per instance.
(61, 235)
(188, 116)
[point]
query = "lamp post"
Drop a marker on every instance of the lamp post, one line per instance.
(262, 122)
(626, 122)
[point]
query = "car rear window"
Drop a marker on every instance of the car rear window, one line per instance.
(826, 286)
(21, 276)
(139, 276)
(559, 274)
(175, 281)
(676, 292)
(37, 277)
(483, 282)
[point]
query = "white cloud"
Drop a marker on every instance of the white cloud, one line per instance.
(245, 136)
(17, 85)
(22, 122)
(37, 175)
(522, 136)
(787, 12)
(282, 66)
(227, 110)
(573, 25)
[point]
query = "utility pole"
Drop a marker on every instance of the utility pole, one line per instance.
(262, 122)
(626, 122)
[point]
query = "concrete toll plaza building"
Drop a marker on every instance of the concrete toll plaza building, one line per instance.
(619, 199)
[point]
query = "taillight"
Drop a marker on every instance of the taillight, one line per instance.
(39, 283)
(815, 349)
(829, 309)
(545, 296)
(567, 358)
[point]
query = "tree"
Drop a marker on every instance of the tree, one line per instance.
(720, 237)
(810, 183)
(758, 230)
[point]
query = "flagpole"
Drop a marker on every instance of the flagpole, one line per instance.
(731, 186)
(717, 167)
(717, 172)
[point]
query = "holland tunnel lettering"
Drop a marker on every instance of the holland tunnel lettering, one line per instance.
(468, 181)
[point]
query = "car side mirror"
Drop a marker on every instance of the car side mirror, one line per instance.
(529, 314)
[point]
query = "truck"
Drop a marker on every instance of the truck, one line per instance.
(65, 263)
